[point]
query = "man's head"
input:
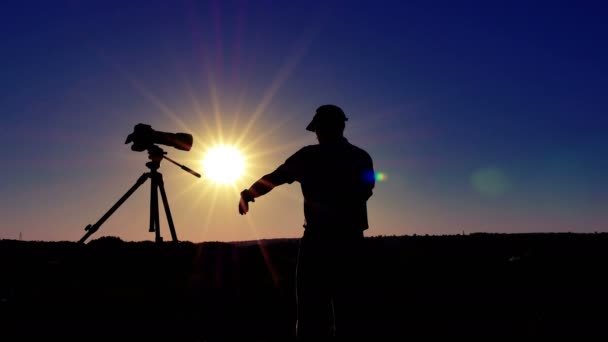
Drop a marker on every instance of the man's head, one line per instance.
(328, 122)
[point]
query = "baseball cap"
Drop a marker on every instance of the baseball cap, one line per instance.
(326, 114)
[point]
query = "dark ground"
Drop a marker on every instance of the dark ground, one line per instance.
(480, 285)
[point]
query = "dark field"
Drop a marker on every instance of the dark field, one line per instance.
(480, 285)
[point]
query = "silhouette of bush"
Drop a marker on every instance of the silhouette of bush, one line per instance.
(107, 241)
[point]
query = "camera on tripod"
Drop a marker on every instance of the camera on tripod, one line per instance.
(144, 137)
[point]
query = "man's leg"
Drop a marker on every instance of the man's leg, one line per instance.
(350, 296)
(312, 294)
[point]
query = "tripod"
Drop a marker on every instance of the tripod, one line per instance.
(156, 155)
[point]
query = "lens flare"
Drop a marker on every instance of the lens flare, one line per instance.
(370, 176)
(380, 176)
(490, 181)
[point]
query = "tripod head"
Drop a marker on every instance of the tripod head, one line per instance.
(157, 154)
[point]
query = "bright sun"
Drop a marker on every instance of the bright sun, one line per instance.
(223, 164)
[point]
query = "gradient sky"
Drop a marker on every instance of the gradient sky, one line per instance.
(484, 116)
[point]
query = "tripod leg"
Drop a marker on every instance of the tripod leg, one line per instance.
(154, 216)
(153, 200)
(91, 229)
(161, 185)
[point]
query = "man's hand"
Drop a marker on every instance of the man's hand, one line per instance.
(246, 197)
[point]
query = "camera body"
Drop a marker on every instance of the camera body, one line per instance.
(144, 137)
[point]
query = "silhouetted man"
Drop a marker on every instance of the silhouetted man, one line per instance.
(337, 179)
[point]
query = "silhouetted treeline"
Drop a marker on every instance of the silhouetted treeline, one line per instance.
(485, 285)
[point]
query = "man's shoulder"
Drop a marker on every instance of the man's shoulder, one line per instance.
(346, 146)
(303, 152)
(307, 150)
(358, 150)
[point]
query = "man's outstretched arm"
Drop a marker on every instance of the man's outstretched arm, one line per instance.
(262, 186)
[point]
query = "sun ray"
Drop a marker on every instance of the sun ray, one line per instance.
(271, 269)
(215, 103)
(254, 153)
(146, 93)
(157, 102)
(210, 209)
(283, 74)
(198, 109)
(143, 91)
(268, 131)
(234, 124)
(184, 190)
(201, 195)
